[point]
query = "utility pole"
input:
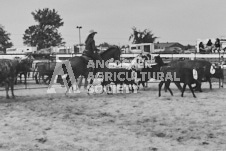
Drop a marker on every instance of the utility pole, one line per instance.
(79, 27)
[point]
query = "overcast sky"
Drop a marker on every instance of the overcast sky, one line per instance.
(181, 21)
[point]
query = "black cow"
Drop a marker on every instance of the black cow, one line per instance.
(210, 71)
(184, 75)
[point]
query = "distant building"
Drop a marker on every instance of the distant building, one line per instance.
(23, 50)
(145, 48)
(173, 47)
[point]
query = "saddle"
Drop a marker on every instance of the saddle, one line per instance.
(86, 58)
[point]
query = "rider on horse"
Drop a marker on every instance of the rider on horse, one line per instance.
(90, 48)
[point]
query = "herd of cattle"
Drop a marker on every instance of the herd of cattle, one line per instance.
(188, 71)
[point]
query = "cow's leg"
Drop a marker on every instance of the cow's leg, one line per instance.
(184, 87)
(43, 78)
(199, 86)
(21, 77)
(28, 74)
(167, 85)
(39, 77)
(160, 87)
(7, 89)
(25, 78)
(209, 80)
(16, 80)
(7, 83)
(12, 89)
(165, 88)
(178, 86)
(190, 87)
(36, 78)
(222, 82)
(80, 81)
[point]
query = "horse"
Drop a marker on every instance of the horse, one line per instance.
(149, 71)
(80, 68)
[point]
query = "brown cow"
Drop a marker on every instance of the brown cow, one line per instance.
(8, 74)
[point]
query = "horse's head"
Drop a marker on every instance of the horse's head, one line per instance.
(112, 52)
(159, 60)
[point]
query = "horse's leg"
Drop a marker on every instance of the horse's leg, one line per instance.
(91, 81)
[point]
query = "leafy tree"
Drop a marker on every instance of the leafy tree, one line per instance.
(45, 34)
(145, 36)
(4, 39)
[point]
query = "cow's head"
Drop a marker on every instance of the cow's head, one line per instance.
(216, 71)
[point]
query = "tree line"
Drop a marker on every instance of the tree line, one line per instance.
(46, 32)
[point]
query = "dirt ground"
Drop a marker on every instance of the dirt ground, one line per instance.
(37, 121)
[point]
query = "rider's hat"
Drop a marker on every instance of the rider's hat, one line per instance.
(92, 32)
